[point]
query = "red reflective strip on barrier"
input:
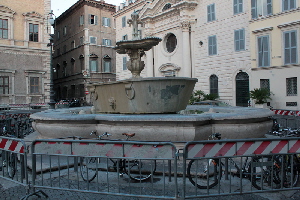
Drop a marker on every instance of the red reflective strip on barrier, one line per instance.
(83, 143)
(38, 143)
(102, 144)
(51, 142)
(13, 145)
(22, 149)
(118, 145)
(3, 143)
(225, 149)
(262, 147)
(205, 150)
(279, 146)
(244, 148)
(295, 147)
(69, 143)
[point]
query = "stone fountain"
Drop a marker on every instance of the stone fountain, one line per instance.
(148, 107)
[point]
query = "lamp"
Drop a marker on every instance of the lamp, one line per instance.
(51, 21)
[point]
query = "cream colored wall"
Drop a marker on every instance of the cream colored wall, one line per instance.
(277, 73)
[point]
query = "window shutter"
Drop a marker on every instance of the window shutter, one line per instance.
(108, 22)
(208, 14)
(213, 14)
(90, 17)
(96, 20)
(269, 7)
(253, 9)
(236, 39)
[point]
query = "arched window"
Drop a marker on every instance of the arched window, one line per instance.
(107, 63)
(213, 83)
(167, 6)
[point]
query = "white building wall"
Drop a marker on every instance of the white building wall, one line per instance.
(228, 62)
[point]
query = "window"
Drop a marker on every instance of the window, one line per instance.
(213, 82)
(4, 28)
(93, 65)
(171, 43)
(288, 5)
(106, 42)
(34, 85)
(261, 8)
(93, 40)
(64, 48)
(107, 65)
(124, 37)
(211, 16)
(58, 35)
(291, 86)
(290, 47)
(73, 44)
(65, 30)
(93, 19)
(212, 45)
(33, 32)
(167, 6)
(81, 40)
(124, 21)
(239, 39)
(105, 21)
(265, 83)
(263, 51)
(81, 20)
(124, 63)
(4, 85)
(237, 6)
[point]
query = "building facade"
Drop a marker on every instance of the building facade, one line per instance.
(83, 48)
(275, 37)
(205, 39)
(24, 55)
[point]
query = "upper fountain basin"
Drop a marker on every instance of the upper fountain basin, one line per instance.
(145, 44)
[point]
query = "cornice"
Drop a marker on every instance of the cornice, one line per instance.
(129, 8)
(275, 15)
(6, 9)
(275, 67)
(294, 23)
(263, 30)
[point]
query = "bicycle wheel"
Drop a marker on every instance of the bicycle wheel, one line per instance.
(204, 173)
(11, 164)
(88, 168)
(286, 171)
(139, 170)
(264, 173)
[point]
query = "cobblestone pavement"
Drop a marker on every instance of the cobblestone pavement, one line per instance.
(13, 191)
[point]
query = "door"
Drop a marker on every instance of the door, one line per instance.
(242, 89)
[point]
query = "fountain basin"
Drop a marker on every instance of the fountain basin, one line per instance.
(231, 122)
(143, 95)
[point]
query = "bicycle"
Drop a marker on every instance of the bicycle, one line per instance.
(134, 168)
(261, 172)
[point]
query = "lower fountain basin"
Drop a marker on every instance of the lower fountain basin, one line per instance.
(143, 95)
(231, 122)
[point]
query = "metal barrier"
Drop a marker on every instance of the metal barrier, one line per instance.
(248, 166)
(287, 118)
(123, 168)
(14, 160)
(152, 169)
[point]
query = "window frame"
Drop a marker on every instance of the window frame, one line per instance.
(4, 87)
(290, 48)
(34, 85)
(106, 22)
(106, 42)
(262, 54)
(238, 7)
(107, 65)
(291, 83)
(239, 42)
(93, 19)
(123, 21)
(254, 8)
(212, 45)
(214, 84)
(95, 61)
(124, 63)
(93, 38)
(33, 32)
(211, 12)
(81, 20)
(2, 30)
(289, 6)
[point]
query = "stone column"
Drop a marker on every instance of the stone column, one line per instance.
(186, 49)
(149, 56)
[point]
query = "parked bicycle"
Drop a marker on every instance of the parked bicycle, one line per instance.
(263, 171)
(136, 169)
